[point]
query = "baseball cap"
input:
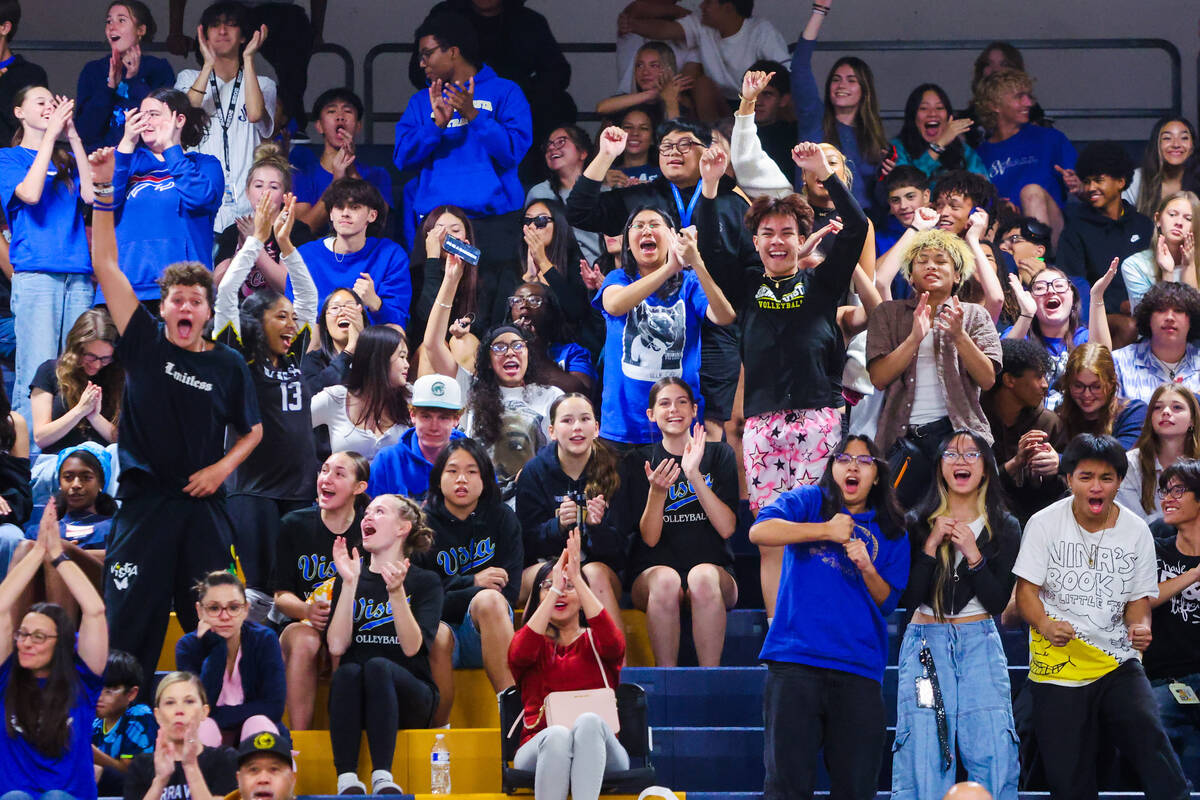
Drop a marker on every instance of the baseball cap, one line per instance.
(279, 744)
(436, 391)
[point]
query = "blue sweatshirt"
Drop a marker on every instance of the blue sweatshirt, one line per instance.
(469, 165)
(165, 212)
(100, 111)
(382, 259)
(402, 468)
(48, 236)
(825, 617)
(311, 179)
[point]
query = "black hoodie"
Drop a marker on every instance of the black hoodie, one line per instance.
(489, 537)
(541, 487)
(1091, 240)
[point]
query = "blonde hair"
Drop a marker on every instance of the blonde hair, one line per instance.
(989, 91)
(665, 54)
(948, 243)
(270, 155)
(945, 551)
(420, 536)
(844, 172)
(179, 676)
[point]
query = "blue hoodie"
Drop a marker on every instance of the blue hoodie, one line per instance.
(382, 259)
(825, 616)
(165, 212)
(469, 165)
(401, 468)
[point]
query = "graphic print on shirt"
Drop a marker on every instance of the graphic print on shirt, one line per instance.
(521, 437)
(679, 498)
(370, 615)
(1186, 604)
(158, 181)
(466, 559)
(791, 299)
(834, 555)
(1095, 593)
(653, 340)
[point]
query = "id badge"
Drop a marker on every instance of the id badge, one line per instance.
(227, 200)
(924, 693)
(1183, 694)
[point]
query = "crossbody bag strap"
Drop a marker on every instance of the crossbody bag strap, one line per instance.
(595, 652)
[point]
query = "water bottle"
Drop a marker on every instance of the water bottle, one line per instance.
(439, 766)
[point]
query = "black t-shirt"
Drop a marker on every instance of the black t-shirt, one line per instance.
(177, 405)
(801, 311)
(374, 631)
(1175, 649)
(284, 464)
(47, 380)
(217, 764)
(688, 537)
(303, 552)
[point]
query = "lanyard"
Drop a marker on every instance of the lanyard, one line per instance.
(6, 63)
(685, 216)
(225, 119)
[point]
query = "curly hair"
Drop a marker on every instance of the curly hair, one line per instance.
(1104, 158)
(967, 184)
(948, 243)
(790, 205)
(991, 88)
(484, 406)
(186, 273)
(93, 325)
(1162, 296)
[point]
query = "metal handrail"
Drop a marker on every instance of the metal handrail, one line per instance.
(158, 48)
(373, 117)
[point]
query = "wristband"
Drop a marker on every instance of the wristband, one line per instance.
(1025, 316)
(194, 89)
(978, 565)
(937, 148)
(555, 590)
(821, 9)
(54, 562)
(100, 205)
(103, 191)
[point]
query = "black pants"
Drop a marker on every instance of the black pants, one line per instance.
(160, 545)
(255, 533)
(379, 697)
(806, 709)
(288, 49)
(720, 365)
(1070, 720)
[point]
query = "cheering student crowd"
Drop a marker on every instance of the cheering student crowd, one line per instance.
(363, 433)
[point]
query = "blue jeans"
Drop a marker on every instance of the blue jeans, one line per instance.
(53, 794)
(972, 672)
(46, 305)
(1182, 724)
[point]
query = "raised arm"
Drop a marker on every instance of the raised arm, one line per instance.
(993, 292)
(118, 292)
(256, 107)
(11, 589)
(620, 300)
(440, 357)
(226, 308)
(341, 622)
(1098, 330)
(304, 289)
(29, 190)
(92, 644)
(806, 97)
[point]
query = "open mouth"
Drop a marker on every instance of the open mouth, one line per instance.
(932, 128)
(184, 328)
(263, 794)
(368, 529)
(961, 475)
(1095, 197)
(510, 366)
(1095, 505)
(326, 495)
(577, 439)
(1053, 303)
(648, 247)
(852, 483)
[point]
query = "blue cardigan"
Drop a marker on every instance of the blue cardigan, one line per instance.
(261, 669)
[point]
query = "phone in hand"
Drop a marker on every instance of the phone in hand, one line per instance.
(463, 250)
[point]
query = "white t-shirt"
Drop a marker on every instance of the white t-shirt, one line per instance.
(1092, 597)
(929, 400)
(973, 605)
(243, 138)
(525, 427)
(630, 43)
(329, 408)
(726, 60)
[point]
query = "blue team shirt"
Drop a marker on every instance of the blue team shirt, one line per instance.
(657, 339)
(48, 236)
(311, 179)
(133, 734)
(1029, 156)
(572, 357)
(825, 617)
(23, 768)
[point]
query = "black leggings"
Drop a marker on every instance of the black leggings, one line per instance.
(359, 699)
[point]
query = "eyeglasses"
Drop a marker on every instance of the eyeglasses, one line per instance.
(37, 637)
(683, 146)
(1175, 492)
(500, 348)
(1087, 388)
(531, 300)
(638, 227)
(967, 456)
(540, 221)
(548, 584)
(427, 52)
(215, 609)
(1058, 286)
(337, 308)
(92, 360)
(846, 459)
(1012, 239)
(554, 144)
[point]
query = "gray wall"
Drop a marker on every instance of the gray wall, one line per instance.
(1065, 79)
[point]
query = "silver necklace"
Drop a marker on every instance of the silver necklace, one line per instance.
(1094, 550)
(1171, 368)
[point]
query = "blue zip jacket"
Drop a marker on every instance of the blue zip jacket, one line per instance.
(100, 111)
(401, 468)
(469, 165)
(261, 669)
(165, 212)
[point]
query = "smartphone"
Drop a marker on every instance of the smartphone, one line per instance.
(461, 249)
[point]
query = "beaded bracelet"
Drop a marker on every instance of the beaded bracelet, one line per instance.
(937, 148)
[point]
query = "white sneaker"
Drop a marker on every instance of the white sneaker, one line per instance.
(348, 783)
(382, 783)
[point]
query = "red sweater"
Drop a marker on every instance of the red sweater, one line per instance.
(540, 666)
